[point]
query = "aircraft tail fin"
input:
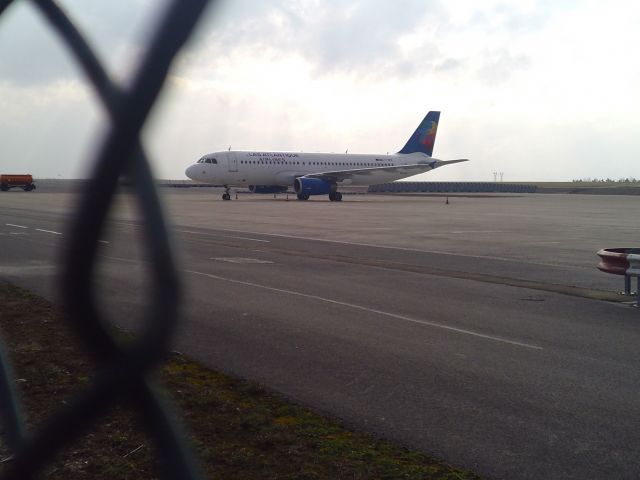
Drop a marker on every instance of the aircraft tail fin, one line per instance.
(424, 138)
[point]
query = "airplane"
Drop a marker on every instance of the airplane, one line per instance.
(319, 173)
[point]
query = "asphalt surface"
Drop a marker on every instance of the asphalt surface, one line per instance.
(475, 331)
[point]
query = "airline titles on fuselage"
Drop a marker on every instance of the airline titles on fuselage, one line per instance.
(280, 157)
(273, 155)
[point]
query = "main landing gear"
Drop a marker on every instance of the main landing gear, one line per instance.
(226, 195)
(335, 196)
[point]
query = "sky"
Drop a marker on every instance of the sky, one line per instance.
(535, 90)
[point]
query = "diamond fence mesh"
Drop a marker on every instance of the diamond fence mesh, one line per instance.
(123, 375)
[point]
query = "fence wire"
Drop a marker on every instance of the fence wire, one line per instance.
(123, 372)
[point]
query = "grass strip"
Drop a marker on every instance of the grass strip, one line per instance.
(238, 430)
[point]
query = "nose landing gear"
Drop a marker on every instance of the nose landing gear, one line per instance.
(226, 195)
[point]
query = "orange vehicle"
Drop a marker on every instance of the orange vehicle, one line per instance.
(20, 181)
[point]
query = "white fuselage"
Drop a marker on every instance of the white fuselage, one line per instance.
(240, 168)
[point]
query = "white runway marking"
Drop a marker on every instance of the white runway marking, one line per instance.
(388, 247)
(224, 236)
(48, 231)
(13, 225)
(370, 310)
(239, 260)
(458, 232)
(247, 238)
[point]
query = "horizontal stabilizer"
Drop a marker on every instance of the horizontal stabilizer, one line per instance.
(446, 162)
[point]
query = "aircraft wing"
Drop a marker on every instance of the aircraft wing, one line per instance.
(410, 169)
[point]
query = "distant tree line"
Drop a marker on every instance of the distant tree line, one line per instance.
(608, 180)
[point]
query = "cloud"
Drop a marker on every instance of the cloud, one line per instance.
(523, 86)
(48, 130)
(30, 56)
(32, 53)
(363, 38)
(497, 66)
(514, 18)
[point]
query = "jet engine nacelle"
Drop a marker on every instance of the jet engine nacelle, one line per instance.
(312, 186)
(267, 189)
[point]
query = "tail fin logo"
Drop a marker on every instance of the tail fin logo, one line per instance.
(427, 135)
(424, 137)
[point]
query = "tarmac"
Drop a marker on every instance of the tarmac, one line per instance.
(479, 331)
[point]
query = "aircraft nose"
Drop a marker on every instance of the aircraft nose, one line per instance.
(188, 171)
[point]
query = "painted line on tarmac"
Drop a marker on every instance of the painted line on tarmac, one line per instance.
(243, 260)
(14, 225)
(223, 236)
(464, 232)
(247, 238)
(389, 247)
(369, 310)
(47, 231)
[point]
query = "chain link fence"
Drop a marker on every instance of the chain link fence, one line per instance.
(123, 372)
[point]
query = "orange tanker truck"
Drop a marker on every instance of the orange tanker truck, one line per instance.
(17, 181)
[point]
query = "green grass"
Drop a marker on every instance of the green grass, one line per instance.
(237, 429)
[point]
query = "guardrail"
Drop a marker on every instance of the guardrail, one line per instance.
(621, 261)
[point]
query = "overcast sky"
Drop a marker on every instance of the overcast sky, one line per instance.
(539, 90)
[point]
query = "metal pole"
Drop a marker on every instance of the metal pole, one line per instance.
(627, 284)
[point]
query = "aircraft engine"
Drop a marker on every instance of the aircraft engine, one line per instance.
(312, 186)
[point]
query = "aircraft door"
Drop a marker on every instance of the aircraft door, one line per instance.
(233, 161)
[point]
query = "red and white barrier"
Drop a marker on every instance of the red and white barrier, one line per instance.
(622, 261)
